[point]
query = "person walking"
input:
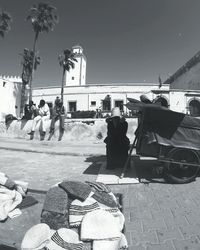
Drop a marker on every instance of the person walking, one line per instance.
(117, 143)
(58, 114)
(43, 116)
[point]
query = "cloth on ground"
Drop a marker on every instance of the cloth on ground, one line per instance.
(6, 181)
(76, 189)
(9, 199)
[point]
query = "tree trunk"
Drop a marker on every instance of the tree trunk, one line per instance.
(23, 99)
(32, 72)
(62, 88)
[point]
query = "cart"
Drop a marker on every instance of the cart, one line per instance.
(172, 138)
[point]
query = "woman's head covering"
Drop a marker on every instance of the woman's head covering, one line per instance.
(116, 112)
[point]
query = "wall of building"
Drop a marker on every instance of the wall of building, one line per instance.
(85, 95)
(10, 96)
(178, 101)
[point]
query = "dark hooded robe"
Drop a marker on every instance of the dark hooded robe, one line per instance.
(117, 143)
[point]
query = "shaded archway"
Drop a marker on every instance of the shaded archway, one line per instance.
(162, 101)
(194, 107)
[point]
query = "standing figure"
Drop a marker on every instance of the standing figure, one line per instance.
(58, 114)
(117, 143)
(43, 115)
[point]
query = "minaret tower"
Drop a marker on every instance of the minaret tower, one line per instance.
(77, 76)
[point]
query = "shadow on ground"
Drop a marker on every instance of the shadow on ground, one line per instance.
(96, 162)
(149, 171)
(4, 247)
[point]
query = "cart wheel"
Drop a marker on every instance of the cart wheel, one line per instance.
(181, 172)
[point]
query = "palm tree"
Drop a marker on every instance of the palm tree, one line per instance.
(27, 64)
(5, 20)
(66, 61)
(43, 19)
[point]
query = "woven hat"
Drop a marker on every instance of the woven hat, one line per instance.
(36, 237)
(76, 189)
(105, 198)
(118, 215)
(99, 225)
(79, 209)
(115, 112)
(65, 238)
(111, 244)
(56, 200)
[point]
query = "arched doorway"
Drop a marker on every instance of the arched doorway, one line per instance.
(162, 101)
(194, 107)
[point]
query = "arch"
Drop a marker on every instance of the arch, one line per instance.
(162, 101)
(194, 107)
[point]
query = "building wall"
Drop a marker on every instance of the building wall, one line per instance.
(10, 96)
(178, 101)
(85, 95)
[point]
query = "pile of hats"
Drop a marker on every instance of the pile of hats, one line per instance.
(75, 214)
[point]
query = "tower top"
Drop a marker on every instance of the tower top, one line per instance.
(77, 49)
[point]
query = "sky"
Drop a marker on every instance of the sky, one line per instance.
(124, 41)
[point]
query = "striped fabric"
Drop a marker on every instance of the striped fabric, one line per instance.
(79, 209)
(66, 245)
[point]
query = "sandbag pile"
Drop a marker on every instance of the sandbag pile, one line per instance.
(75, 214)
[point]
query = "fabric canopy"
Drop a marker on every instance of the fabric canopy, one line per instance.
(169, 128)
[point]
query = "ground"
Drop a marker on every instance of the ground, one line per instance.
(158, 215)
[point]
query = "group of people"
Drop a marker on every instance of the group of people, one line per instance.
(42, 114)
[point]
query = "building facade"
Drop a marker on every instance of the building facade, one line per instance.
(80, 96)
(10, 96)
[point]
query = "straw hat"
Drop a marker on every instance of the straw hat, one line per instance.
(36, 237)
(115, 112)
(65, 238)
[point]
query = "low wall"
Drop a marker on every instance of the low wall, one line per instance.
(75, 130)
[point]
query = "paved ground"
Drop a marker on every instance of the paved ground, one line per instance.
(158, 215)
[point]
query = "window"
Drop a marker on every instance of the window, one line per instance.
(72, 106)
(93, 103)
(72, 77)
(107, 103)
(4, 84)
(119, 104)
(194, 108)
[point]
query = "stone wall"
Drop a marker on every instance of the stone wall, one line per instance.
(75, 130)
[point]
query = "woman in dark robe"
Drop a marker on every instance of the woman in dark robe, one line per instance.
(117, 143)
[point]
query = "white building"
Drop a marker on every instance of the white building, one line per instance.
(79, 96)
(10, 96)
